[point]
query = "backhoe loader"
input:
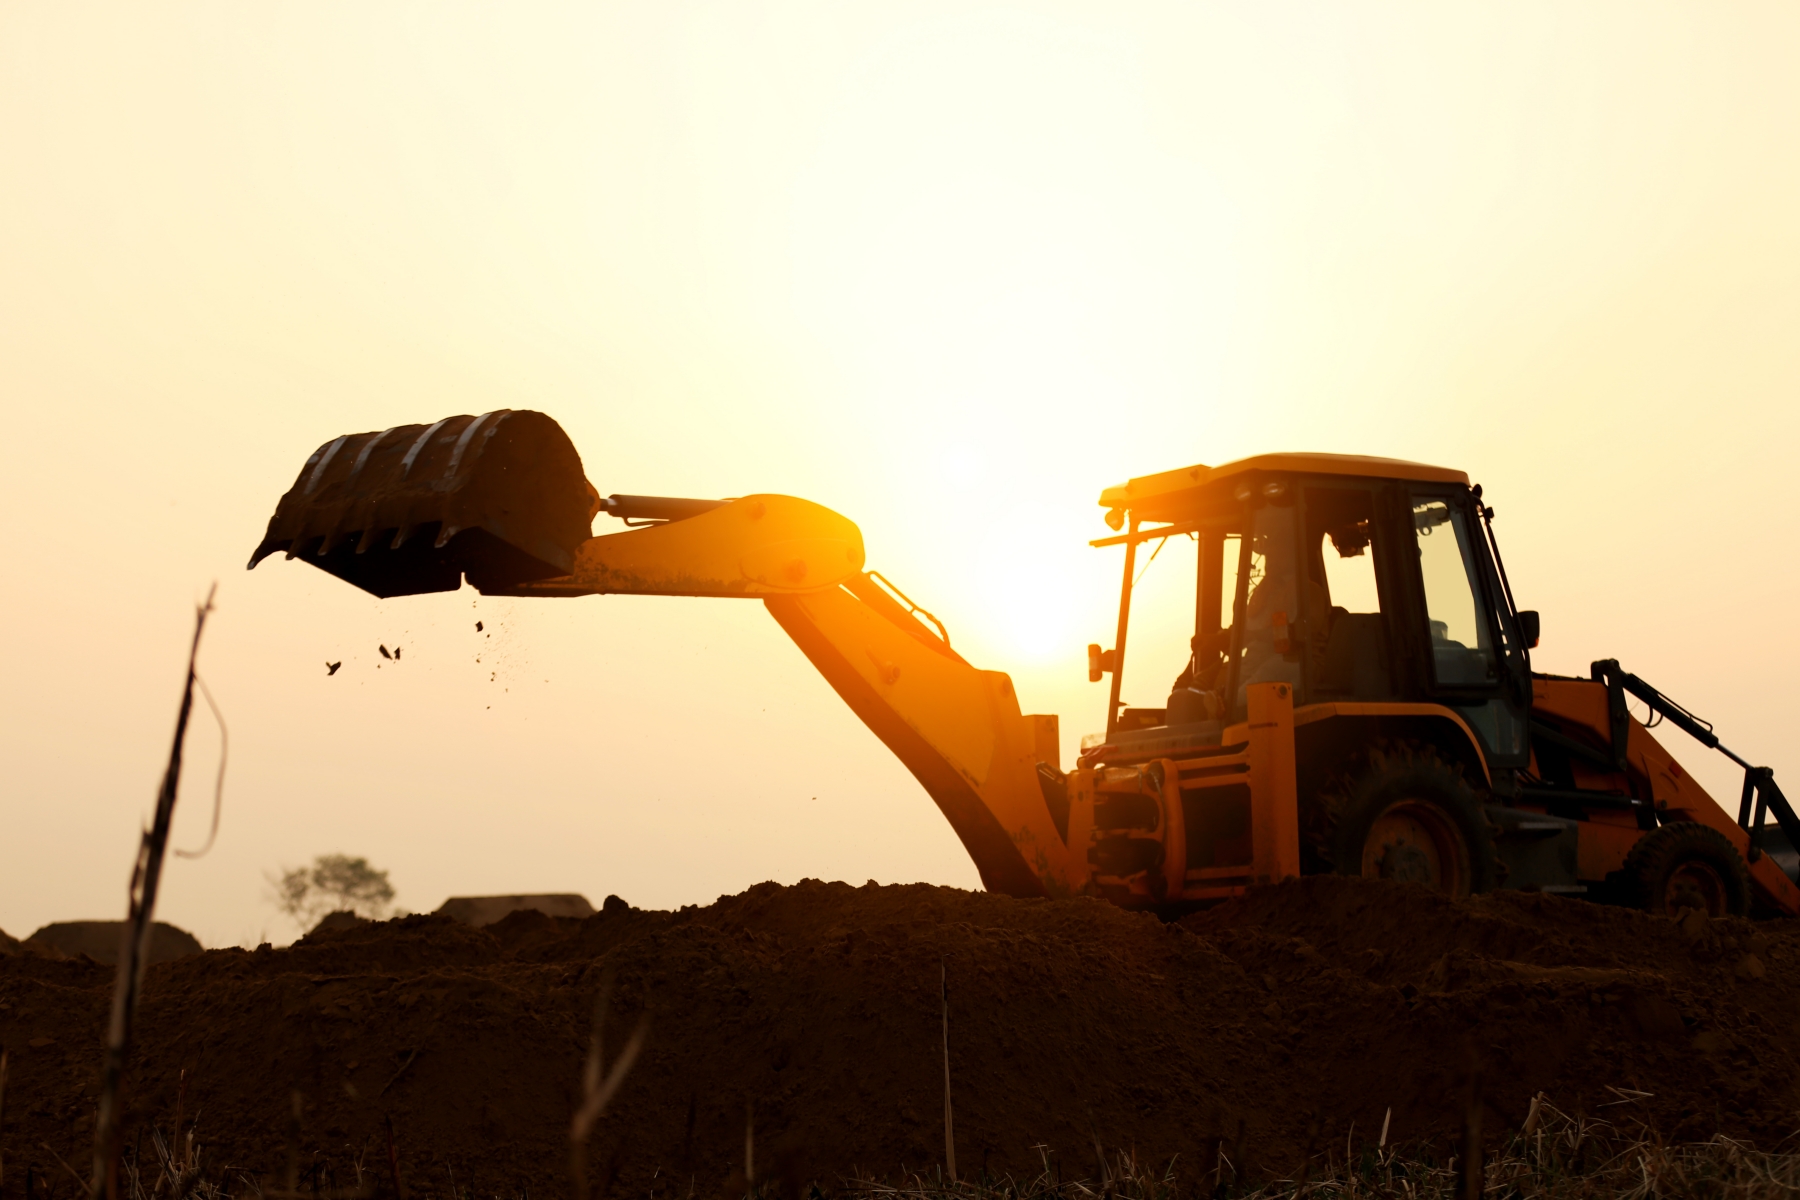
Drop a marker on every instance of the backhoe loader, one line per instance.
(1396, 731)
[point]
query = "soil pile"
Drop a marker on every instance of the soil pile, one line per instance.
(99, 940)
(1268, 1025)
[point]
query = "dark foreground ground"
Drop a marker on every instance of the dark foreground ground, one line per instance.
(1272, 1025)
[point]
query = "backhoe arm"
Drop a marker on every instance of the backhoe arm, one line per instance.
(501, 499)
(958, 729)
(751, 547)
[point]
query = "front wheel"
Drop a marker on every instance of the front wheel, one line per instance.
(1685, 865)
(1409, 817)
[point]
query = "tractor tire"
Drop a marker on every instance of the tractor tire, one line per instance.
(1408, 816)
(1687, 865)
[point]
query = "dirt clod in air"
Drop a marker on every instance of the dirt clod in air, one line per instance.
(1289, 1014)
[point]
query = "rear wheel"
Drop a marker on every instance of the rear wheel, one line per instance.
(1685, 865)
(1409, 817)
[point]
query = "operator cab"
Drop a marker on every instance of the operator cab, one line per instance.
(1356, 581)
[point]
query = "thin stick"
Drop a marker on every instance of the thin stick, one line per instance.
(79, 1182)
(219, 783)
(394, 1159)
(1237, 1156)
(293, 1145)
(1472, 1178)
(180, 1099)
(134, 949)
(598, 1087)
(397, 1074)
(949, 1120)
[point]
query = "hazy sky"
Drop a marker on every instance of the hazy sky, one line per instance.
(948, 268)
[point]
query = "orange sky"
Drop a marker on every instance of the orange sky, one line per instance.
(948, 268)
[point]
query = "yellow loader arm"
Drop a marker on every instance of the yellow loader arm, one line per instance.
(501, 499)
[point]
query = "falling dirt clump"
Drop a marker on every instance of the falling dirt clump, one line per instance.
(1270, 1024)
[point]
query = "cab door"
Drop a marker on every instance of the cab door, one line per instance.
(1349, 593)
(1466, 653)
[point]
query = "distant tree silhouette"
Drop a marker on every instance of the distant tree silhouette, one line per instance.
(333, 883)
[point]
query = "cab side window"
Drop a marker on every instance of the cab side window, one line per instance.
(1462, 646)
(1347, 634)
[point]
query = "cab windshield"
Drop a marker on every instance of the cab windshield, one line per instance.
(1211, 613)
(1168, 619)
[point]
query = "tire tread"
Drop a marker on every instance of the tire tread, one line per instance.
(1384, 772)
(1650, 860)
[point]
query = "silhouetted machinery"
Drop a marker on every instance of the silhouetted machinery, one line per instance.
(1398, 732)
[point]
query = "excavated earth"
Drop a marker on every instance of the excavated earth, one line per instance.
(1270, 1028)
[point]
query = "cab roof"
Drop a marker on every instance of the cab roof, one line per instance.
(1153, 491)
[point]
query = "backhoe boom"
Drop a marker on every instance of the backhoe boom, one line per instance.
(501, 499)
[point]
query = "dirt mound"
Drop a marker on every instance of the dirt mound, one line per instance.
(485, 910)
(10, 945)
(99, 940)
(1394, 994)
(1272, 1023)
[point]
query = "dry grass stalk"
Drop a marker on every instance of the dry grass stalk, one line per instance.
(1470, 1167)
(412, 1054)
(1553, 1156)
(73, 1174)
(134, 949)
(181, 1147)
(180, 1170)
(293, 1143)
(393, 1157)
(599, 1087)
(949, 1121)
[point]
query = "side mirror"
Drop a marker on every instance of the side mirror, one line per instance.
(1100, 662)
(1528, 628)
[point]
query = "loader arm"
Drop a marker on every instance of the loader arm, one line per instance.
(501, 500)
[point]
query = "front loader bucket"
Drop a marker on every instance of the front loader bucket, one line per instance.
(500, 497)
